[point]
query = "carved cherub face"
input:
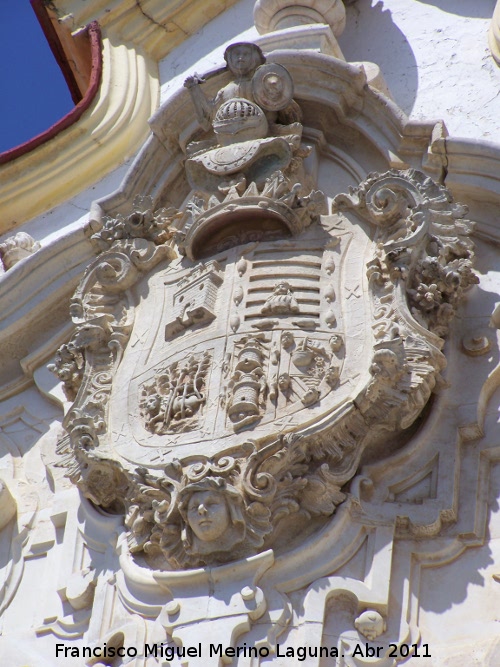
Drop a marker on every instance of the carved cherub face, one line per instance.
(208, 515)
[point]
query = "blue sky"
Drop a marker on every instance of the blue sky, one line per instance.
(34, 92)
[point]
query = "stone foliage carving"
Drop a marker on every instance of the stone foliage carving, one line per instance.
(69, 365)
(435, 272)
(142, 223)
(281, 301)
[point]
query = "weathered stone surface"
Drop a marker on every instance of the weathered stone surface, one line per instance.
(279, 378)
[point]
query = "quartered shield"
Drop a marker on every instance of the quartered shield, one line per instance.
(260, 340)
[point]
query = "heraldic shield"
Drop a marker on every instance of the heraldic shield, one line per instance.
(239, 355)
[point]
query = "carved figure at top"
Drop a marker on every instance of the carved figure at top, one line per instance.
(255, 120)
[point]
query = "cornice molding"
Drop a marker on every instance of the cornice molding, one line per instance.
(155, 26)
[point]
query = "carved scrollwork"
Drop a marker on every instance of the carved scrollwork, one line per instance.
(284, 351)
(102, 312)
(142, 223)
(424, 242)
(217, 510)
(69, 367)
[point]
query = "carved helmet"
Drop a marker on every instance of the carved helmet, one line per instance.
(259, 57)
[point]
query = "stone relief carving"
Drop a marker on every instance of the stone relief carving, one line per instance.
(310, 372)
(312, 402)
(247, 388)
(281, 301)
(252, 164)
(142, 223)
(69, 364)
(228, 507)
(128, 245)
(15, 248)
(254, 118)
(196, 513)
(435, 273)
(195, 300)
(172, 402)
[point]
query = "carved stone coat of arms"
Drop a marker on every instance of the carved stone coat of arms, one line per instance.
(237, 358)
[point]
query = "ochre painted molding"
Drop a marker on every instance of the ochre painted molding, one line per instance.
(115, 124)
(157, 26)
(494, 34)
(109, 131)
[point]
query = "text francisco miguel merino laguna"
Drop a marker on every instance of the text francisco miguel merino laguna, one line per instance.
(199, 651)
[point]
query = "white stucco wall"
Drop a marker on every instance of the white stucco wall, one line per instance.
(435, 59)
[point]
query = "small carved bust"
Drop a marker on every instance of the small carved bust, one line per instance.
(281, 301)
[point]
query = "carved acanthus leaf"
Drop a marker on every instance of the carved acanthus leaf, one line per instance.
(144, 222)
(423, 241)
